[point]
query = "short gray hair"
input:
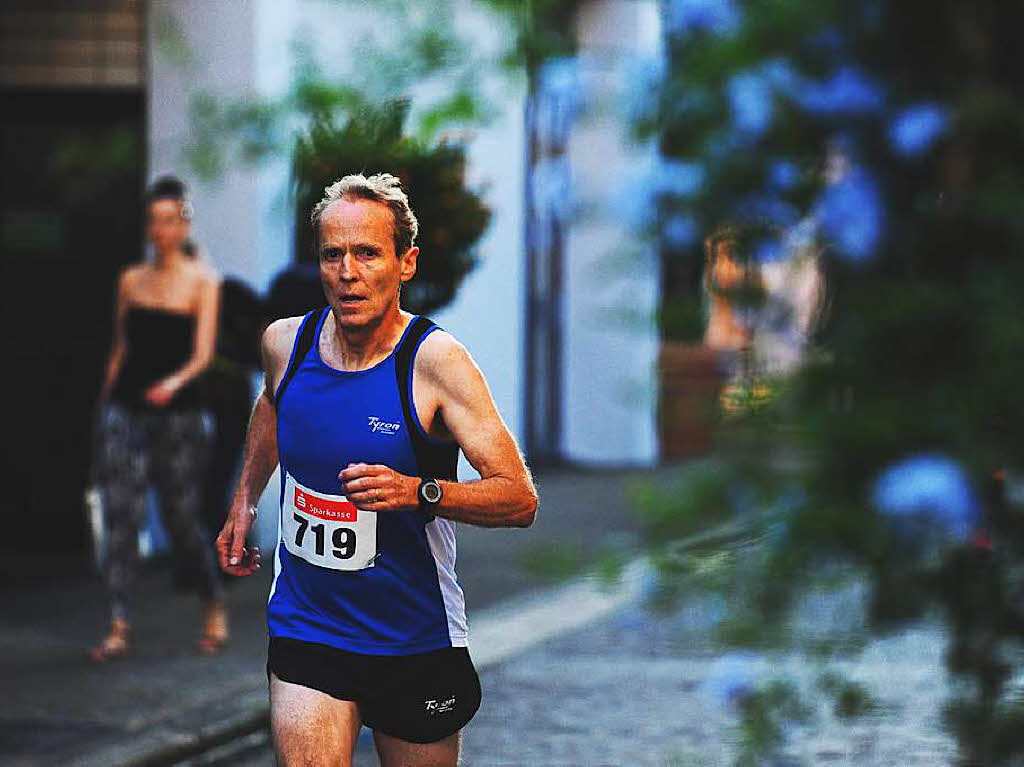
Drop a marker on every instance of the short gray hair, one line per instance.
(381, 187)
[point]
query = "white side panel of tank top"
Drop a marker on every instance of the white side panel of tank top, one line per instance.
(277, 560)
(441, 537)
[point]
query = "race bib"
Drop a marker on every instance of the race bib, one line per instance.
(327, 530)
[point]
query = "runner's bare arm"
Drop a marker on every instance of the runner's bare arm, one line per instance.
(504, 496)
(260, 458)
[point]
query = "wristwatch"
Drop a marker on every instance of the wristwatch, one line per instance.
(429, 494)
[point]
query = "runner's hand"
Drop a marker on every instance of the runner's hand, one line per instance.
(373, 487)
(234, 556)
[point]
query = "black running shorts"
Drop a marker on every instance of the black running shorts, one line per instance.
(420, 698)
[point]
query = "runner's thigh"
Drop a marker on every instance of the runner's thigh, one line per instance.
(394, 752)
(310, 727)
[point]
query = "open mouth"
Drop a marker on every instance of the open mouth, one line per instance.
(350, 300)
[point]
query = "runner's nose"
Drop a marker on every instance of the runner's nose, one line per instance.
(348, 266)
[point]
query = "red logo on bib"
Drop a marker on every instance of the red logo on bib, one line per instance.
(324, 508)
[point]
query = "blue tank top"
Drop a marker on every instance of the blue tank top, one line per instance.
(379, 584)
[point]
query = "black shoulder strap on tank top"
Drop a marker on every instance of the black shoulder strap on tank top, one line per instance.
(303, 343)
(439, 462)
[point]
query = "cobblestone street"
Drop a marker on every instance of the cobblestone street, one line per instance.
(637, 690)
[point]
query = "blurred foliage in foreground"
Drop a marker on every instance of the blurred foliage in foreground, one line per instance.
(892, 136)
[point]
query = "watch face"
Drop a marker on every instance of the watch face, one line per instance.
(431, 492)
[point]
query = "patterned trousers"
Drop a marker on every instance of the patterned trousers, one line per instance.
(166, 449)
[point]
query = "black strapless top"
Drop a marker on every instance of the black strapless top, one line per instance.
(158, 343)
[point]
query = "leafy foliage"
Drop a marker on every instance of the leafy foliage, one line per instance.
(451, 217)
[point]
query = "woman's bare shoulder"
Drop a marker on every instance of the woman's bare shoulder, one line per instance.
(202, 273)
(131, 276)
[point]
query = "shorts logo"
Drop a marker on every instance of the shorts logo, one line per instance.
(435, 707)
(378, 426)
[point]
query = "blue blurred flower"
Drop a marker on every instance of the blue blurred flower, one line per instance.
(645, 76)
(678, 178)
(783, 174)
(680, 231)
(914, 129)
(851, 214)
(780, 74)
(683, 17)
(732, 676)
(767, 208)
(636, 198)
(931, 486)
(750, 99)
(848, 90)
(769, 251)
(800, 236)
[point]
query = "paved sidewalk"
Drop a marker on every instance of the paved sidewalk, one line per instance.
(638, 689)
(630, 687)
(166, 698)
(623, 686)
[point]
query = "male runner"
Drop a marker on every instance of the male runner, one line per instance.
(366, 406)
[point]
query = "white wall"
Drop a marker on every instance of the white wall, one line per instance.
(488, 314)
(231, 49)
(610, 343)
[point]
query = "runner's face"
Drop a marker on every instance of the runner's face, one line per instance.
(167, 229)
(358, 267)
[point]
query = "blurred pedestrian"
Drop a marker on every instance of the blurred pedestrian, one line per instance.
(733, 291)
(730, 329)
(795, 298)
(151, 429)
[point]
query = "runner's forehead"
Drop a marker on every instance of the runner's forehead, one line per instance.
(362, 220)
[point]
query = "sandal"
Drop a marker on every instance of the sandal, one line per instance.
(215, 630)
(114, 645)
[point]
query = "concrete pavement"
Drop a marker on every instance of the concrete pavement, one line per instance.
(586, 675)
(164, 699)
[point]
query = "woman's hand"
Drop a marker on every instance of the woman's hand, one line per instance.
(162, 392)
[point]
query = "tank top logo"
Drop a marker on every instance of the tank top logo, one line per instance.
(378, 426)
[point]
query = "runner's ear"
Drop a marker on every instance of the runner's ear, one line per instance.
(409, 263)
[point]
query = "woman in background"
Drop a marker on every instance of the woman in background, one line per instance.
(730, 330)
(152, 429)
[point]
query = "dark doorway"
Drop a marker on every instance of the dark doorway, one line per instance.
(70, 218)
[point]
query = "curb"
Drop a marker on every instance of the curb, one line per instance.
(167, 745)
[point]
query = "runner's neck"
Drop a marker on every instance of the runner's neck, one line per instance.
(353, 349)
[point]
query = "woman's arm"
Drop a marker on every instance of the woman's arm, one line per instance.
(203, 346)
